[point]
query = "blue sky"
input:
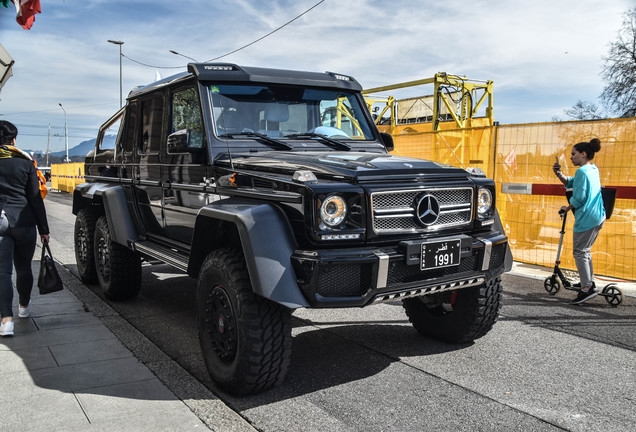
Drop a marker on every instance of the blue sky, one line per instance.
(542, 55)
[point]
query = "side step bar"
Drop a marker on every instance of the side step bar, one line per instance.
(169, 256)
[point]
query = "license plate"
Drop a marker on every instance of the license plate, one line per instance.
(440, 254)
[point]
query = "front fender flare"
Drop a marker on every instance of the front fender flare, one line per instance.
(267, 243)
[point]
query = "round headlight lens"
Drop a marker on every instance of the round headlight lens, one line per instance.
(484, 201)
(333, 210)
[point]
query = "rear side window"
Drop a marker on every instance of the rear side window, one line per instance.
(110, 134)
(186, 114)
(151, 124)
(130, 127)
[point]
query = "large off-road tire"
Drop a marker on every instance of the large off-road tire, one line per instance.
(118, 268)
(245, 338)
(456, 316)
(83, 238)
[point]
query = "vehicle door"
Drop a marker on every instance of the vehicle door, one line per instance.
(186, 168)
(147, 178)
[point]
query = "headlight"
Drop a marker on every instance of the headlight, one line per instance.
(333, 211)
(484, 202)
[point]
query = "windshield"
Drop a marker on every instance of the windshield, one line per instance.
(287, 112)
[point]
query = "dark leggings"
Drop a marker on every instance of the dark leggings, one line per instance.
(17, 246)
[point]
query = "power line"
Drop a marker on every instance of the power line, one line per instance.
(236, 50)
(155, 67)
(268, 34)
(51, 110)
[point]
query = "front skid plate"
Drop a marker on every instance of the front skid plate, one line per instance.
(430, 289)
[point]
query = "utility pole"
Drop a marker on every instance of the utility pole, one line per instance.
(65, 133)
(48, 141)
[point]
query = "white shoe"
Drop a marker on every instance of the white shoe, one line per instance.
(24, 312)
(6, 329)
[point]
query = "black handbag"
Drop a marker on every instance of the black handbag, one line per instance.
(49, 280)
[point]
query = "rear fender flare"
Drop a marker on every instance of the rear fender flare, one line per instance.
(113, 199)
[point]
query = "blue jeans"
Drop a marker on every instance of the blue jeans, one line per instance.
(17, 246)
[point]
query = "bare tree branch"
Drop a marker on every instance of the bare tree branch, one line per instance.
(619, 70)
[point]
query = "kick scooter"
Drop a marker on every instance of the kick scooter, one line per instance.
(552, 284)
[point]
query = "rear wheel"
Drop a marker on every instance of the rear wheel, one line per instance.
(118, 268)
(245, 339)
(456, 316)
(83, 238)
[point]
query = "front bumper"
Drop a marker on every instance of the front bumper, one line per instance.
(364, 276)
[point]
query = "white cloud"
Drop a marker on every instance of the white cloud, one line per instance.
(543, 55)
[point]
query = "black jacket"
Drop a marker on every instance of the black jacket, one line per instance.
(19, 186)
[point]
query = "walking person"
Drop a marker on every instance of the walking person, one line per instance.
(589, 213)
(22, 209)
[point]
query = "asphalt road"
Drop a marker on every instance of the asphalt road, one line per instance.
(545, 366)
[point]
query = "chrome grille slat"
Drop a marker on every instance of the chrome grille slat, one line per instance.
(395, 211)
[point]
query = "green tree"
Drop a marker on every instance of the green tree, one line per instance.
(619, 70)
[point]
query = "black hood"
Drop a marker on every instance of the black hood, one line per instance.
(351, 165)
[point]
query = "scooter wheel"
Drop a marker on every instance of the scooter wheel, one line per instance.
(552, 285)
(613, 295)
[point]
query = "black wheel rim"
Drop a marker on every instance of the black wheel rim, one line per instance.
(551, 285)
(614, 296)
(220, 323)
(103, 259)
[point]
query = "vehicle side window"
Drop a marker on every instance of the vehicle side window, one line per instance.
(151, 123)
(130, 124)
(110, 135)
(186, 114)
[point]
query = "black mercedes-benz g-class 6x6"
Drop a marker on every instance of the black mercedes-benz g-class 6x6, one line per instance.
(276, 191)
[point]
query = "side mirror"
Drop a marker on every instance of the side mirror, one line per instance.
(179, 141)
(387, 140)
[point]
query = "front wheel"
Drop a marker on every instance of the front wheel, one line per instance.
(245, 339)
(118, 268)
(456, 316)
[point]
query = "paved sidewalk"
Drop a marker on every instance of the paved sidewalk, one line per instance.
(539, 272)
(67, 368)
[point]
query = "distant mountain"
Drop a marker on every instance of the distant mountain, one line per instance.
(79, 150)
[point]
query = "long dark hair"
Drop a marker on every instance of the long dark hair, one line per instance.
(590, 148)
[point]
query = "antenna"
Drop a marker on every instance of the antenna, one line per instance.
(227, 141)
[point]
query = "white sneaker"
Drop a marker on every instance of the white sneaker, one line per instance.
(6, 329)
(24, 312)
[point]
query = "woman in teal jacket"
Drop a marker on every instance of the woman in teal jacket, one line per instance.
(589, 213)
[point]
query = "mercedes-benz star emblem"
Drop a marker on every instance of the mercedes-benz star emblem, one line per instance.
(427, 210)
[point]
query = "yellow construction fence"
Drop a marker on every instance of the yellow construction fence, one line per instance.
(65, 177)
(520, 159)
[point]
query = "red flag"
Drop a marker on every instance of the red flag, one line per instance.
(25, 12)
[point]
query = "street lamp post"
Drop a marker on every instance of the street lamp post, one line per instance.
(120, 43)
(65, 133)
(179, 54)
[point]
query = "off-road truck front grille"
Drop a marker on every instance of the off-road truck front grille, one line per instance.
(396, 211)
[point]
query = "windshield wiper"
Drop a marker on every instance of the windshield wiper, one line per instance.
(259, 136)
(323, 138)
